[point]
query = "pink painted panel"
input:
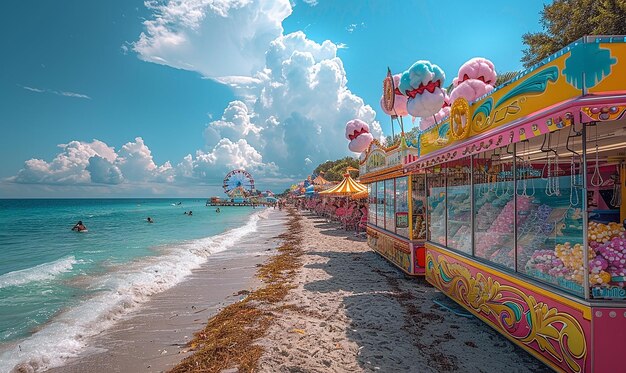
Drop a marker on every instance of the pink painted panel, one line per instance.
(554, 330)
(609, 336)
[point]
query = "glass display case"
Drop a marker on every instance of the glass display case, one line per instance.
(459, 205)
(390, 205)
(550, 245)
(380, 204)
(418, 204)
(371, 203)
(402, 206)
(606, 209)
(436, 196)
(494, 207)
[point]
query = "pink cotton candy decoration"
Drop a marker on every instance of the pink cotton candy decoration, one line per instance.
(399, 103)
(358, 132)
(477, 68)
(427, 122)
(470, 90)
(426, 104)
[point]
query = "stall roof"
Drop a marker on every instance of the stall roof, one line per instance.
(360, 195)
(347, 187)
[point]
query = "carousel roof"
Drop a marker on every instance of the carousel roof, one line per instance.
(347, 187)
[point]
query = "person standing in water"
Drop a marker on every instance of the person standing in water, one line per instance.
(79, 227)
(218, 210)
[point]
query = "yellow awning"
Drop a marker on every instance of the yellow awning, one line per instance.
(347, 187)
(360, 195)
(319, 180)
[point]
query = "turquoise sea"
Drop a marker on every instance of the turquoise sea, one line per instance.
(58, 287)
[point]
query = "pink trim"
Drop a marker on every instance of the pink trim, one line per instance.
(569, 111)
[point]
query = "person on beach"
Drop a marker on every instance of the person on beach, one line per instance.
(150, 220)
(79, 227)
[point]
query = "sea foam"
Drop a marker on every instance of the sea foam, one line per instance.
(119, 292)
(42, 272)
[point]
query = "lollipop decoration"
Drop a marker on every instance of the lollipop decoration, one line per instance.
(393, 102)
(459, 119)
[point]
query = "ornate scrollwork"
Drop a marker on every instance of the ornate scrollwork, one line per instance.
(459, 119)
(554, 334)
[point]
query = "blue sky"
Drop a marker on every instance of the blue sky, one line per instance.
(178, 93)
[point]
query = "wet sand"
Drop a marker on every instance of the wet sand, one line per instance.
(153, 338)
(352, 311)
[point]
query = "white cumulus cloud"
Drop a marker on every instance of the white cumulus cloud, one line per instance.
(214, 37)
(96, 162)
(293, 92)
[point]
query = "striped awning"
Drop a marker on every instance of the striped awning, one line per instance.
(347, 187)
(319, 180)
(360, 195)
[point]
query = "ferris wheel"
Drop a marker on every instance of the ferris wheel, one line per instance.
(239, 179)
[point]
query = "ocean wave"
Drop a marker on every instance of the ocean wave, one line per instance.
(42, 272)
(119, 292)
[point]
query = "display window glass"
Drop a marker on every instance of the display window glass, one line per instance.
(402, 206)
(606, 185)
(371, 203)
(459, 205)
(550, 245)
(380, 204)
(494, 207)
(436, 195)
(418, 204)
(390, 206)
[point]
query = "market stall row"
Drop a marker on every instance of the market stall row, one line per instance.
(509, 200)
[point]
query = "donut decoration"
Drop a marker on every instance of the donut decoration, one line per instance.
(459, 119)
(389, 94)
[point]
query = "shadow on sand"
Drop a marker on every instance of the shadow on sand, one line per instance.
(388, 309)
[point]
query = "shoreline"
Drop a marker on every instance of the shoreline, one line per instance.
(324, 301)
(153, 337)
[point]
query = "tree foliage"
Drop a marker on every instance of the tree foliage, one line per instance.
(334, 170)
(565, 21)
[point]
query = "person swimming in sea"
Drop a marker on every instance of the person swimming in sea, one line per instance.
(218, 210)
(79, 227)
(149, 220)
(190, 213)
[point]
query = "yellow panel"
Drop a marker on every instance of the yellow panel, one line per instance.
(557, 81)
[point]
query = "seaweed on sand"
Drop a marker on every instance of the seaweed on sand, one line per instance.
(228, 339)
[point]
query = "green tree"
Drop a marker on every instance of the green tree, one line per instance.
(565, 21)
(334, 170)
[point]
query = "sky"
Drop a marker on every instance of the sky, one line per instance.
(128, 98)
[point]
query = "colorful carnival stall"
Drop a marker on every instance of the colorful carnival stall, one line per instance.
(396, 206)
(522, 191)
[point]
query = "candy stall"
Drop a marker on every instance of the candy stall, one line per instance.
(396, 206)
(518, 196)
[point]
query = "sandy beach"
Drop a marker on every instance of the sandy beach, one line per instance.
(352, 311)
(347, 310)
(154, 338)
